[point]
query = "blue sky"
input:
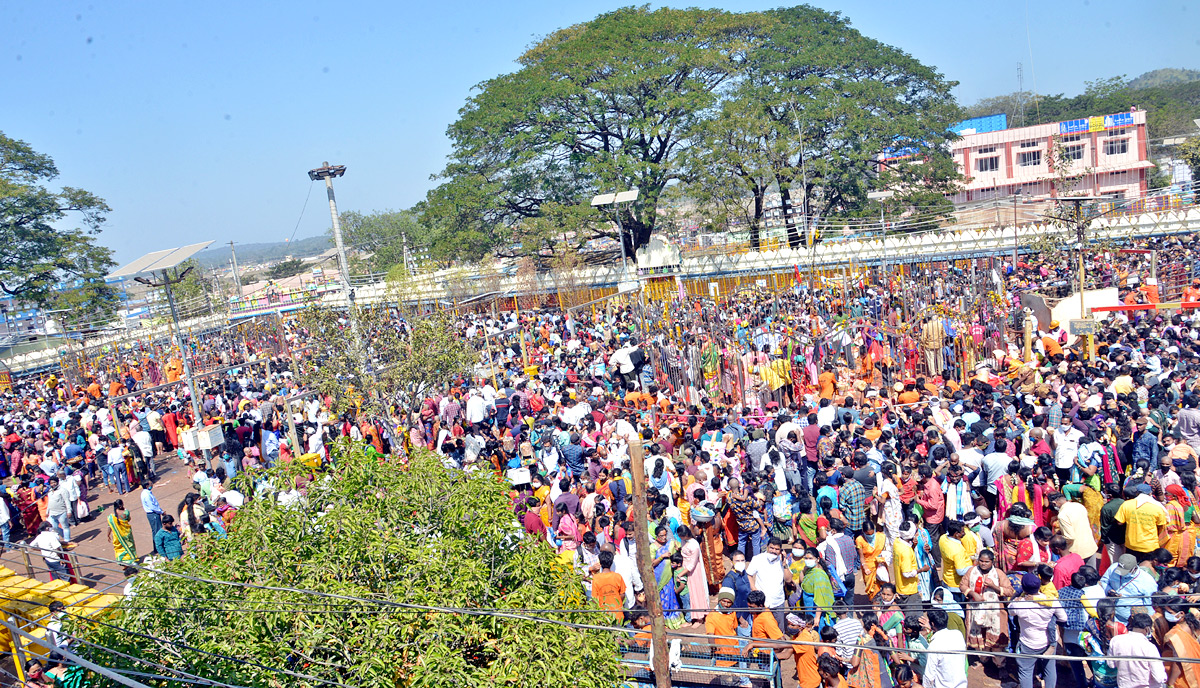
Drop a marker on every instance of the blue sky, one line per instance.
(199, 120)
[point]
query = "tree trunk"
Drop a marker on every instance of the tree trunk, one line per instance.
(793, 234)
(756, 222)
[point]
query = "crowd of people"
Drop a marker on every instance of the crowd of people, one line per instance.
(866, 479)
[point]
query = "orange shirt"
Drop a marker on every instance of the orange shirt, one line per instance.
(608, 589)
(909, 397)
(806, 659)
(94, 390)
(720, 623)
(765, 626)
(1052, 346)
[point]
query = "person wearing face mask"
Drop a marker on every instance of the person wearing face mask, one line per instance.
(1144, 667)
(120, 534)
(768, 575)
(1130, 583)
(737, 581)
(816, 588)
(1180, 641)
(986, 585)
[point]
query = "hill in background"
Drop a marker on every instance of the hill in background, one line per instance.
(269, 252)
(1164, 77)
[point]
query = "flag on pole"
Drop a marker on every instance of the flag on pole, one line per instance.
(796, 267)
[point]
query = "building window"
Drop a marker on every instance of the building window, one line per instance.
(1029, 144)
(987, 164)
(1116, 146)
(1072, 138)
(1112, 133)
(985, 149)
(1032, 159)
(1073, 153)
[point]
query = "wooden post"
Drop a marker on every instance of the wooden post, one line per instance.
(28, 563)
(1028, 340)
(658, 628)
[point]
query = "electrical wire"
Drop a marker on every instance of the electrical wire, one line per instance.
(302, 209)
(399, 606)
(199, 679)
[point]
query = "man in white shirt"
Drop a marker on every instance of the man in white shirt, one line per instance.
(626, 568)
(1139, 673)
(1066, 448)
(51, 545)
(766, 573)
(115, 469)
(475, 407)
(970, 457)
(943, 669)
(58, 508)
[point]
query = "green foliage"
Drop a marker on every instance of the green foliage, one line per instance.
(36, 252)
(1164, 77)
(418, 534)
(843, 99)
(287, 268)
(381, 234)
(597, 107)
(196, 295)
(396, 367)
(1189, 152)
(716, 100)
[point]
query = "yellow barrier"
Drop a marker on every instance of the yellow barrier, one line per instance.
(27, 602)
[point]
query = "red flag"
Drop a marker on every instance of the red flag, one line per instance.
(797, 269)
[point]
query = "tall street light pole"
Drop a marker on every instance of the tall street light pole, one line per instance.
(328, 172)
(166, 282)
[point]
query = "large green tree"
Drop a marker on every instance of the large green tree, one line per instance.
(416, 534)
(39, 256)
(734, 106)
(846, 101)
(598, 107)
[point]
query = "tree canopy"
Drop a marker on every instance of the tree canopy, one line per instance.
(42, 262)
(399, 363)
(641, 98)
(420, 535)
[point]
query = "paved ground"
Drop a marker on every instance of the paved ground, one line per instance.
(91, 536)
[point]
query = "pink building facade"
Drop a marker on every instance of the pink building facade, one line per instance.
(1110, 148)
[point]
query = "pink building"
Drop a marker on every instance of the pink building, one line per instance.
(1000, 163)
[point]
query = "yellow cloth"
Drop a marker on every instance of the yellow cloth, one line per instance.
(777, 374)
(1142, 518)
(954, 557)
(904, 559)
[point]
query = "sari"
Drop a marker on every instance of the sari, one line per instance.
(122, 540)
(892, 622)
(869, 553)
(1188, 540)
(870, 671)
(1093, 501)
(1175, 526)
(817, 594)
(664, 576)
(987, 622)
(1180, 641)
